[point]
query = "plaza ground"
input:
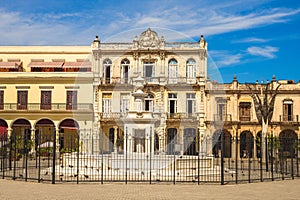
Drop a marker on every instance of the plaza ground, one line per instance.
(14, 190)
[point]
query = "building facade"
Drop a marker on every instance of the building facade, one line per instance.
(149, 95)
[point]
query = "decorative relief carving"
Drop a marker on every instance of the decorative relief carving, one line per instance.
(149, 39)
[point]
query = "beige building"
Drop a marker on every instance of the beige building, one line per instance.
(148, 95)
(231, 110)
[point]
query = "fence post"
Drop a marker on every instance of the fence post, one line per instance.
(261, 161)
(174, 157)
(102, 143)
(78, 142)
(53, 156)
(150, 154)
(267, 154)
(15, 154)
(272, 156)
(222, 157)
(297, 157)
(26, 135)
(126, 138)
(236, 156)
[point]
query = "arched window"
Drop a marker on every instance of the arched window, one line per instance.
(191, 68)
(149, 103)
(107, 67)
(173, 70)
(125, 70)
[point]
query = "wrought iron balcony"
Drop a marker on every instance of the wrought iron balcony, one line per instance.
(46, 107)
(288, 118)
(222, 117)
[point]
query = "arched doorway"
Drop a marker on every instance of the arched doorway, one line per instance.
(3, 130)
(44, 131)
(217, 145)
(171, 140)
(189, 141)
(68, 135)
(21, 136)
(288, 140)
(246, 144)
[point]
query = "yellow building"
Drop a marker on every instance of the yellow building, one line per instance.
(46, 90)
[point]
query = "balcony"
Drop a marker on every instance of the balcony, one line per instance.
(182, 80)
(288, 118)
(222, 118)
(112, 115)
(245, 118)
(182, 115)
(8, 107)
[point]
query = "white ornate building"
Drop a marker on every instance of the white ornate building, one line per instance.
(150, 92)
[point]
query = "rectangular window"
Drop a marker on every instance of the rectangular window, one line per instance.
(287, 110)
(221, 109)
(124, 103)
(244, 111)
(1, 100)
(172, 103)
(45, 100)
(71, 100)
(191, 103)
(149, 69)
(173, 73)
(106, 102)
(22, 100)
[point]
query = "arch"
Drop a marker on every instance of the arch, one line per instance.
(246, 144)
(44, 131)
(21, 133)
(149, 102)
(216, 140)
(173, 69)
(191, 68)
(288, 140)
(68, 135)
(189, 141)
(107, 68)
(125, 70)
(171, 140)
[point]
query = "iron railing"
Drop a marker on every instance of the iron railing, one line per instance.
(288, 118)
(222, 117)
(48, 107)
(84, 157)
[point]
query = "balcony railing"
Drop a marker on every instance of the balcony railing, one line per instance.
(182, 115)
(288, 118)
(222, 117)
(245, 118)
(47, 107)
(112, 115)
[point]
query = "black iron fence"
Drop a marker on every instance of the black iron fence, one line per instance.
(84, 157)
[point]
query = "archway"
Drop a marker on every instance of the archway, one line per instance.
(288, 140)
(171, 140)
(217, 145)
(189, 140)
(44, 131)
(20, 136)
(246, 144)
(68, 135)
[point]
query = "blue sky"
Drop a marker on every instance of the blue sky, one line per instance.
(253, 39)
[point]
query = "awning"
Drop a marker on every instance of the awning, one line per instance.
(12, 65)
(77, 65)
(46, 64)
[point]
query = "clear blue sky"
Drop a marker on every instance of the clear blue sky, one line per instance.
(253, 39)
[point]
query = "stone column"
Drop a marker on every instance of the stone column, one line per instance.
(115, 139)
(181, 135)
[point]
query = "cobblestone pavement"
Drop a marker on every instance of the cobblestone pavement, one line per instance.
(14, 190)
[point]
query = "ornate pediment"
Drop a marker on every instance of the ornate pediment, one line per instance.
(149, 39)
